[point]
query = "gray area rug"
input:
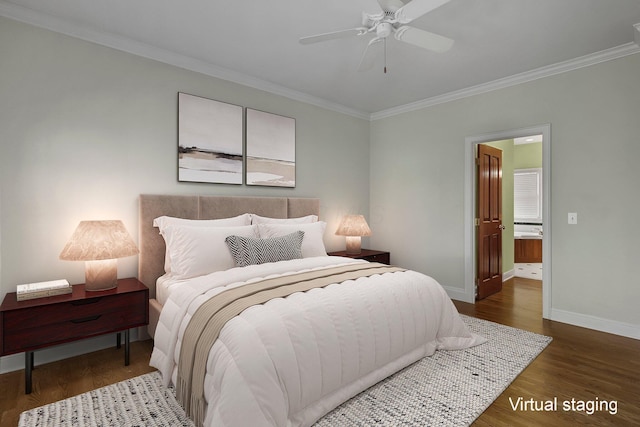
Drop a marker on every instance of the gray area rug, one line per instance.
(450, 388)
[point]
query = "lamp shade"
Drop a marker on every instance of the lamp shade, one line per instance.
(353, 225)
(99, 240)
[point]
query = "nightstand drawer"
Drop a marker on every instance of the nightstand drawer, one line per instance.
(75, 328)
(381, 258)
(71, 310)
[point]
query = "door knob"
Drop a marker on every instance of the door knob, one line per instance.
(501, 227)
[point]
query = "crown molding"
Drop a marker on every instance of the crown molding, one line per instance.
(38, 19)
(539, 73)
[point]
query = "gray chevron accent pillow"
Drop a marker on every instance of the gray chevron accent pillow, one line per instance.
(250, 251)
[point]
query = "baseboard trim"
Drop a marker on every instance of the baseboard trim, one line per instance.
(15, 362)
(508, 275)
(458, 294)
(461, 295)
(596, 323)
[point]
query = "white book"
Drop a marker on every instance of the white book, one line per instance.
(43, 293)
(41, 286)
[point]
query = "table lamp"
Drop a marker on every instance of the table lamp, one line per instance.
(353, 227)
(99, 244)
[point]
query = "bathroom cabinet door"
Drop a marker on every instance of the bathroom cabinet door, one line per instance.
(527, 250)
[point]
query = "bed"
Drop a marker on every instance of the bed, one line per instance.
(286, 333)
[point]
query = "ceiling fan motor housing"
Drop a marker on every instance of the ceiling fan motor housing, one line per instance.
(384, 29)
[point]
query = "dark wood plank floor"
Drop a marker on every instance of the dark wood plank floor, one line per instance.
(579, 364)
(70, 377)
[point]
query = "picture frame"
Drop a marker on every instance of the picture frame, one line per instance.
(210, 140)
(270, 149)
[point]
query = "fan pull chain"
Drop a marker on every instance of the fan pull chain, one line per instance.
(385, 55)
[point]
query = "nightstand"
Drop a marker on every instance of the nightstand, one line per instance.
(366, 254)
(26, 326)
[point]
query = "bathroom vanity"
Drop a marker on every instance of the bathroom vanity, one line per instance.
(527, 250)
(527, 243)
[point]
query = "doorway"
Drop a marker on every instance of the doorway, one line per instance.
(527, 207)
(471, 201)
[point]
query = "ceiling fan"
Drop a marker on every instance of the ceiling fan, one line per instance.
(391, 19)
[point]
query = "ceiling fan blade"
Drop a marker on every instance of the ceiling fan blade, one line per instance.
(416, 8)
(333, 35)
(423, 39)
(370, 54)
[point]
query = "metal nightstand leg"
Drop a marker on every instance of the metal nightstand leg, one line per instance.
(127, 347)
(28, 368)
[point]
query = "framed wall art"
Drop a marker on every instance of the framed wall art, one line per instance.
(210, 140)
(271, 149)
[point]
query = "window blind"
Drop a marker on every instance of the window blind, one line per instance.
(527, 195)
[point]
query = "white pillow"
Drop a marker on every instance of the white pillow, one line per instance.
(313, 243)
(162, 222)
(196, 251)
(257, 219)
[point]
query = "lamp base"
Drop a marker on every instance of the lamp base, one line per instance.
(101, 275)
(354, 245)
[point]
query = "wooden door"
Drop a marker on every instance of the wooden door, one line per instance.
(489, 222)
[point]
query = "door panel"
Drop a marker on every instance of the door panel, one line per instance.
(489, 235)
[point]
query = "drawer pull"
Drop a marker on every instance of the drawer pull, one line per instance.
(86, 301)
(86, 319)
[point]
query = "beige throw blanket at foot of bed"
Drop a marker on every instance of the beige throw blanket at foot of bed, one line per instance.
(205, 325)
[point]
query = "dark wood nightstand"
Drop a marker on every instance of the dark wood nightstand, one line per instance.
(367, 254)
(26, 326)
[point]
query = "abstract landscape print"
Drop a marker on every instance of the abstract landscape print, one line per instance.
(210, 140)
(271, 149)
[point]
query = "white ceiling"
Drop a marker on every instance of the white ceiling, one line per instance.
(497, 43)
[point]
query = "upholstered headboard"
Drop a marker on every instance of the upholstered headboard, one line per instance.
(152, 249)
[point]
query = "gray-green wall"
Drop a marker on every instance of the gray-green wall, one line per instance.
(417, 185)
(84, 129)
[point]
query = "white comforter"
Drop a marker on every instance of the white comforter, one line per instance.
(290, 361)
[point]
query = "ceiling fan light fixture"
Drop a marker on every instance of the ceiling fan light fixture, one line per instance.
(383, 30)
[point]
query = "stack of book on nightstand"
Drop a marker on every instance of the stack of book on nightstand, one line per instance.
(43, 289)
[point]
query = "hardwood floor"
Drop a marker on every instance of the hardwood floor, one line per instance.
(579, 364)
(69, 377)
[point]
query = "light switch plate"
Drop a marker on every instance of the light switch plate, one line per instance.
(573, 218)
